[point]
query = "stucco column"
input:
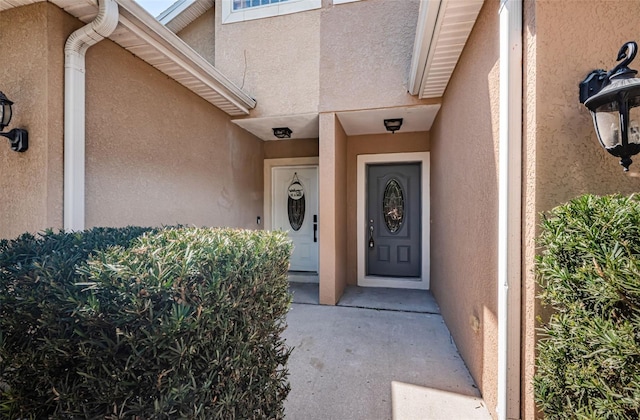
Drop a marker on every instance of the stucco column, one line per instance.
(333, 209)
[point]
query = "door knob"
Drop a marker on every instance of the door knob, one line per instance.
(371, 241)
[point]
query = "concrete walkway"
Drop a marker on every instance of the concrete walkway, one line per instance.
(351, 363)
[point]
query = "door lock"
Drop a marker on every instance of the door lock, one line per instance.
(371, 241)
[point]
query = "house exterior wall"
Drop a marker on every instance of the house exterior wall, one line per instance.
(464, 203)
(200, 35)
(340, 57)
(371, 144)
(158, 154)
(291, 148)
(155, 152)
(563, 42)
(365, 54)
(31, 75)
(333, 209)
(276, 60)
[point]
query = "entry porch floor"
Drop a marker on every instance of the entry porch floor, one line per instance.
(378, 354)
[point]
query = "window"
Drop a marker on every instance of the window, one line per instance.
(241, 10)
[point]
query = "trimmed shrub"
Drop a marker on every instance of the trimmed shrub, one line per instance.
(175, 323)
(588, 363)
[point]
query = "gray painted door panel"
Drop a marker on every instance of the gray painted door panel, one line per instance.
(394, 244)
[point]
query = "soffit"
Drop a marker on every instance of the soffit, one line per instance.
(355, 123)
(183, 12)
(142, 35)
(443, 29)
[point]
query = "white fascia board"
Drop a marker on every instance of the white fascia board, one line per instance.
(422, 46)
(140, 22)
(174, 10)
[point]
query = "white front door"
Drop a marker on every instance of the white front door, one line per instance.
(295, 210)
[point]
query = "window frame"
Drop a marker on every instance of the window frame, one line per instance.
(270, 10)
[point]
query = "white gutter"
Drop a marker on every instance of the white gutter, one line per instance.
(74, 109)
(509, 209)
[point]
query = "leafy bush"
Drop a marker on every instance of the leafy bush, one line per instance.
(175, 323)
(588, 364)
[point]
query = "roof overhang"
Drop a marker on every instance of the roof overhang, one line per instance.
(181, 13)
(442, 32)
(142, 35)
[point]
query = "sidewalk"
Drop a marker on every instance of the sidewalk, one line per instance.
(354, 363)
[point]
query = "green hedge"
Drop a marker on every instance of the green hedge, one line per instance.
(588, 364)
(144, 323)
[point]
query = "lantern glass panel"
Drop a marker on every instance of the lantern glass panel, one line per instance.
(634, 124)
(5, 114)
(607, 123)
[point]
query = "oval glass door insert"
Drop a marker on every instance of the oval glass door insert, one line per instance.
(295, 203)
(393, 205)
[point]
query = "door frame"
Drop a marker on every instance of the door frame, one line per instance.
(270, 164)
(361, 168)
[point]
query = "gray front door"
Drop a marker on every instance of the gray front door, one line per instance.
(394, 220)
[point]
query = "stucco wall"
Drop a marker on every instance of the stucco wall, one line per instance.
(200, 35)
(31, 75)
(159, 154)
(333, 209)
(155, 152)
(290, 148)
(365, 54)
(464, 203)
(340, 57)
(371, 144)
(564, 41)
(276, 60)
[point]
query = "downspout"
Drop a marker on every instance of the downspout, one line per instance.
(74, 109)
(509, 210)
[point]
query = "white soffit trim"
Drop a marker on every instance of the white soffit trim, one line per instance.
(442, 32)
(141, 34)
(183, 12)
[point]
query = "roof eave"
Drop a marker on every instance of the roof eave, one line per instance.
(442, 31)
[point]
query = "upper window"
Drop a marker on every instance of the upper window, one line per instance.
(241, 10)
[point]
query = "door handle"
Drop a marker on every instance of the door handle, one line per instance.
(371, 242)
(315, 228)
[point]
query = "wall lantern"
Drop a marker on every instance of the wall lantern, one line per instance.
(393, 124)
(282, 132)
(18, 137)
(614, 98)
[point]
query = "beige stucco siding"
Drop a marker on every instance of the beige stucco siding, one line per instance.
(155, 152)
(333, 209)
(291, 148)
(563, 42)
(371, 144)
(31, 75)
(200, 35)
(158, 154)
(276, 60)
(365, 54)
(464, 203)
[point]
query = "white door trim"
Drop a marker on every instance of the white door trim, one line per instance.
(377, 281)
(272, 163)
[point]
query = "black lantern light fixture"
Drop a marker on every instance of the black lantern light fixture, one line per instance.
(393, 124)
(282, 132)
(18, 137)
(613, 98)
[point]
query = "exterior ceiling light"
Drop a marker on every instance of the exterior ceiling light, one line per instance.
(282, 132)
(393, 124)
(18, 137)
(613, 98)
